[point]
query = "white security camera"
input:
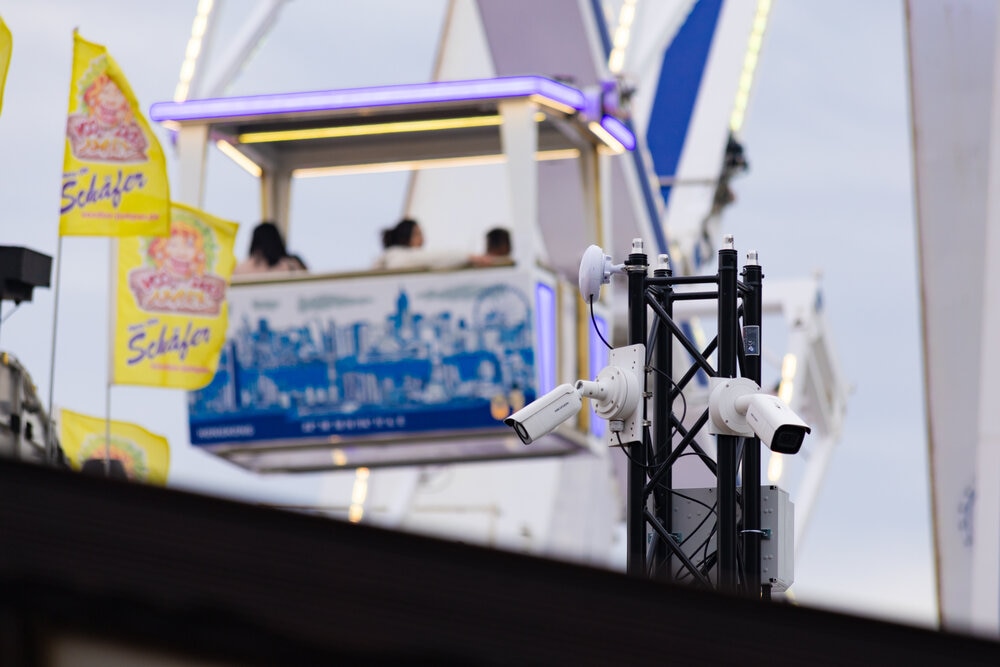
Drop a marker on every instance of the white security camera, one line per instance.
(774, 422)
(736, 406)
(544, 414)
(617, 393)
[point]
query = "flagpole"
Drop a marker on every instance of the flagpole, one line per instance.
(107, 431)
(112, 284)
(50, 444)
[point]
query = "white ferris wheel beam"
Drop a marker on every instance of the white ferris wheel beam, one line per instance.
(256, 26)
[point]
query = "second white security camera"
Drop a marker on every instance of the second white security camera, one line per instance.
(736, 406)
(774, 423)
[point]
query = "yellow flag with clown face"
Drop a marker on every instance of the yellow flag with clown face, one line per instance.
(145, 456)
(171, 302)
(114, 173)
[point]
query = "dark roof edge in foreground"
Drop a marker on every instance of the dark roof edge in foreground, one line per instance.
(157, 567)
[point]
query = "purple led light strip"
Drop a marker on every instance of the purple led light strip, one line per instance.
(619, 131)
(545, 332)
(355, 98)
(598, 360)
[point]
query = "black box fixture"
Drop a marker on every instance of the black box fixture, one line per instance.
(21, 270)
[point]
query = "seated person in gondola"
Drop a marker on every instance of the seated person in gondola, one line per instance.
(403, 248)
(268, 253)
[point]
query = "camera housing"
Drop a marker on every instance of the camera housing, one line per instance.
(774, 422)
(544, 414)
(737, 406)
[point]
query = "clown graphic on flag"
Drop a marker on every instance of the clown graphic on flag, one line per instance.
(114, 172)
(172, 312)
(144, 456)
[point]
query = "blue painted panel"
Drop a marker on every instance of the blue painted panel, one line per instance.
(309, 360)
(680, 79)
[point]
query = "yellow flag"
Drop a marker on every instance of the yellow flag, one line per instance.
(144, 455)
(6, 46)
(114, 175)
(172, 311)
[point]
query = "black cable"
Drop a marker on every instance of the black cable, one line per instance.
(649, 450)
(703, 546)
(680, 392)
(650, 552)
(740, 578)
(644, 466)
(704, 565)
(711, 560)
(715, 553)
(593, 320)
(710, 508)
(694, 531)
(698, 527)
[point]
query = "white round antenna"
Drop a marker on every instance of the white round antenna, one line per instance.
(595, 270)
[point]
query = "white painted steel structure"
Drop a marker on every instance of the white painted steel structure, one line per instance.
(953, 60)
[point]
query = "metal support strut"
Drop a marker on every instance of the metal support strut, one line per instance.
(752, 305)
(650, 527)
(727, 444)
(662, 417)
(636, 267)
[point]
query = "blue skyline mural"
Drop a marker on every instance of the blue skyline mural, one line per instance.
(430, 363)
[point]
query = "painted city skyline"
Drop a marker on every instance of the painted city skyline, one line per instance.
(426, 364)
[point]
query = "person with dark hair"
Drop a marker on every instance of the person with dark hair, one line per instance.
(498, 242)
(406, 234)
(268, 253)
(403, 248)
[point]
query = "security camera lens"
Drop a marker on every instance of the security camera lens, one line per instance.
(518, 427)
(787, 440)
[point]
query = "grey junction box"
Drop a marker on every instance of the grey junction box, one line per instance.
(694, 527)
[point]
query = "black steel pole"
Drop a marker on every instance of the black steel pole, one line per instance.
(727, 444)
(662, 410)
(752, 278)
(635, 525)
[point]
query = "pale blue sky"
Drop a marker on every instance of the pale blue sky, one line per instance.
(830, 190)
